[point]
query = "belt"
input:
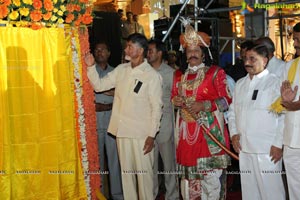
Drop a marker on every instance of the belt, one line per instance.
(100, 107)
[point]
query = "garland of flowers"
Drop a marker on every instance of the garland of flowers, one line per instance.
(39, 13)
(90, 117)
(53, 13)
(80, 109)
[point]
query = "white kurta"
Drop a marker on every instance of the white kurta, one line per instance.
(259, 129)
(291, 141)
(136, 115)
(291, 130)
(276, 66)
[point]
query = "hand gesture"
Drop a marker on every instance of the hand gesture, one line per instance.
(287, 93)
(89, 59)
(288, 96)
(291, 105)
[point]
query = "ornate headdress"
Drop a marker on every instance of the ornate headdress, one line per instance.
(193, 38)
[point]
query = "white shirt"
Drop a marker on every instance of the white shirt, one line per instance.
(291, 136)
(136, 113)
(276, 66)
(250, 117)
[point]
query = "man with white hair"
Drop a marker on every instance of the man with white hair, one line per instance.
(136, 114)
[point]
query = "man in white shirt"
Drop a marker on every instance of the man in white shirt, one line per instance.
(256, 133)
(136, 115)
(275, 65)
(291, 101)
(164, 141)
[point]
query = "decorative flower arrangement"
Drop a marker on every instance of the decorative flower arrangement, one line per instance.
(90, 118)
(50, 13)
(80, 110)
(85, 111)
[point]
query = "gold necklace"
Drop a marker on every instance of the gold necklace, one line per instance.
(191, 138)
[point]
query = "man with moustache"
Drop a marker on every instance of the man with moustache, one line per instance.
(290, 104)
(136, 115)
(238, 71)
(106, 141)
(256, 133)
(164, 140)
(201, 95)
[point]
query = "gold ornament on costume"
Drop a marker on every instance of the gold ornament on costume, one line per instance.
(193, 38)
(190, 85)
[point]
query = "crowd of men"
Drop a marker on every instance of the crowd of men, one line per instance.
(135, 105)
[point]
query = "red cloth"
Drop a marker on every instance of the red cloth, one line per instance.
(210, 90)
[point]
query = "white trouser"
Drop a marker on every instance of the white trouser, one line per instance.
(137, 169)
(291, 157)
(260, 177)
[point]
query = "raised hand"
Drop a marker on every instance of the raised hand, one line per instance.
(291, 105)
(89, 59)
(287, 93)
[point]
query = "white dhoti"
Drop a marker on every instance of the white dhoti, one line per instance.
(260, 177)
(291, 157)
(136, 168)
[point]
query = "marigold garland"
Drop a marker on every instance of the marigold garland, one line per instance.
(85, 115)
(75, 47)
(90, 118)
(49, 13)
(53, 13)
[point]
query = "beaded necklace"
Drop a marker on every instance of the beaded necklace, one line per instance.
(193, 85)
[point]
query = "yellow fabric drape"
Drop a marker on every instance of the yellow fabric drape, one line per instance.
(39, 156)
